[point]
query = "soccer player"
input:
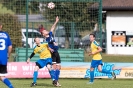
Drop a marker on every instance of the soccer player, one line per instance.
(45, 60)
(97, 59)
(5, 51)
(54, 50)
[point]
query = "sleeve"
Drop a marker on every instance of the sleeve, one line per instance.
(50, 33)
(35, 51)
(32, 55)
(56, 47)
(9, 41)
(96, 44)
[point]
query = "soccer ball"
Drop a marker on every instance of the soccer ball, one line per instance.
(51, 5)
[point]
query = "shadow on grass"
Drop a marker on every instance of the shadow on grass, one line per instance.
(46, 85)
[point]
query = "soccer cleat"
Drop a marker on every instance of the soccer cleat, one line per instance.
(58, 85)
(89, 82)
(33, 84)
(54, 82)
(113, 75)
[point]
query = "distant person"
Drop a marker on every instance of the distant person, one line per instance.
(97, 59)
(5, 51)
(130, 42)
(41, 28)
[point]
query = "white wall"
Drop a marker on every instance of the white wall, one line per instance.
(118, 21)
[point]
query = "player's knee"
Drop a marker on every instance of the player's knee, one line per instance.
(49, 66)
(100, 70)
(54, 66)
(58, 67)
(91, 69)
(2, 78)
(36, 68)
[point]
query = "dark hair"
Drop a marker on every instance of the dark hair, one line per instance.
(93, 35)
(35, 39)
(40, 26)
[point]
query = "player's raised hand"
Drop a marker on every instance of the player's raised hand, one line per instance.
(57, 19)
(28, 60)
(90, 53)
(54, 25)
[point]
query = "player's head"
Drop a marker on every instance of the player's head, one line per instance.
(40, 26)
(0, 26)
(45, 33)
(92, 37)
(37, 40)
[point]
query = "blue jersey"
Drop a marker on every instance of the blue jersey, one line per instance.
(51, 41)
(4, 43)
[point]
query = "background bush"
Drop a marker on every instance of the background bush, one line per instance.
(12, 26)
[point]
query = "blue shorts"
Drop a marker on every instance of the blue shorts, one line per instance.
(43, 62)
(96, 63)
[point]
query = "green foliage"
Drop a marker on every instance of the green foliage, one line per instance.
(19, 6)
(76, 12)
(12, 26)
(4, 10)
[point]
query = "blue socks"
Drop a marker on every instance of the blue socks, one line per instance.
(52, 74)
(57, 74)
(91, 76)
(35, 76)
(8, 83)
(103, 71)
(106, 71)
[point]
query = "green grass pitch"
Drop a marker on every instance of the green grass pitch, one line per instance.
(73, 83)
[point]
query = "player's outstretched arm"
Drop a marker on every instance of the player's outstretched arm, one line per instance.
(54, 25)
(28, 60)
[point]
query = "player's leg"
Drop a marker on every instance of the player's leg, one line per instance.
(35, 75)
(3, 73)
(58, 73)
(104, 70)
(54, 64)
(93, 65)
(58, 67)
(91, 74)
(51, 70)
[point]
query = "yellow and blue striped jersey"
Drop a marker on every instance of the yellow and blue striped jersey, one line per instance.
(94, 46)
(42, 50)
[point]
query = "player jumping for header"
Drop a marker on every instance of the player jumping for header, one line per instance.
(54, 49)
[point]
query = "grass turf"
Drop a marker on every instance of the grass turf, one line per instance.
(73, 83)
